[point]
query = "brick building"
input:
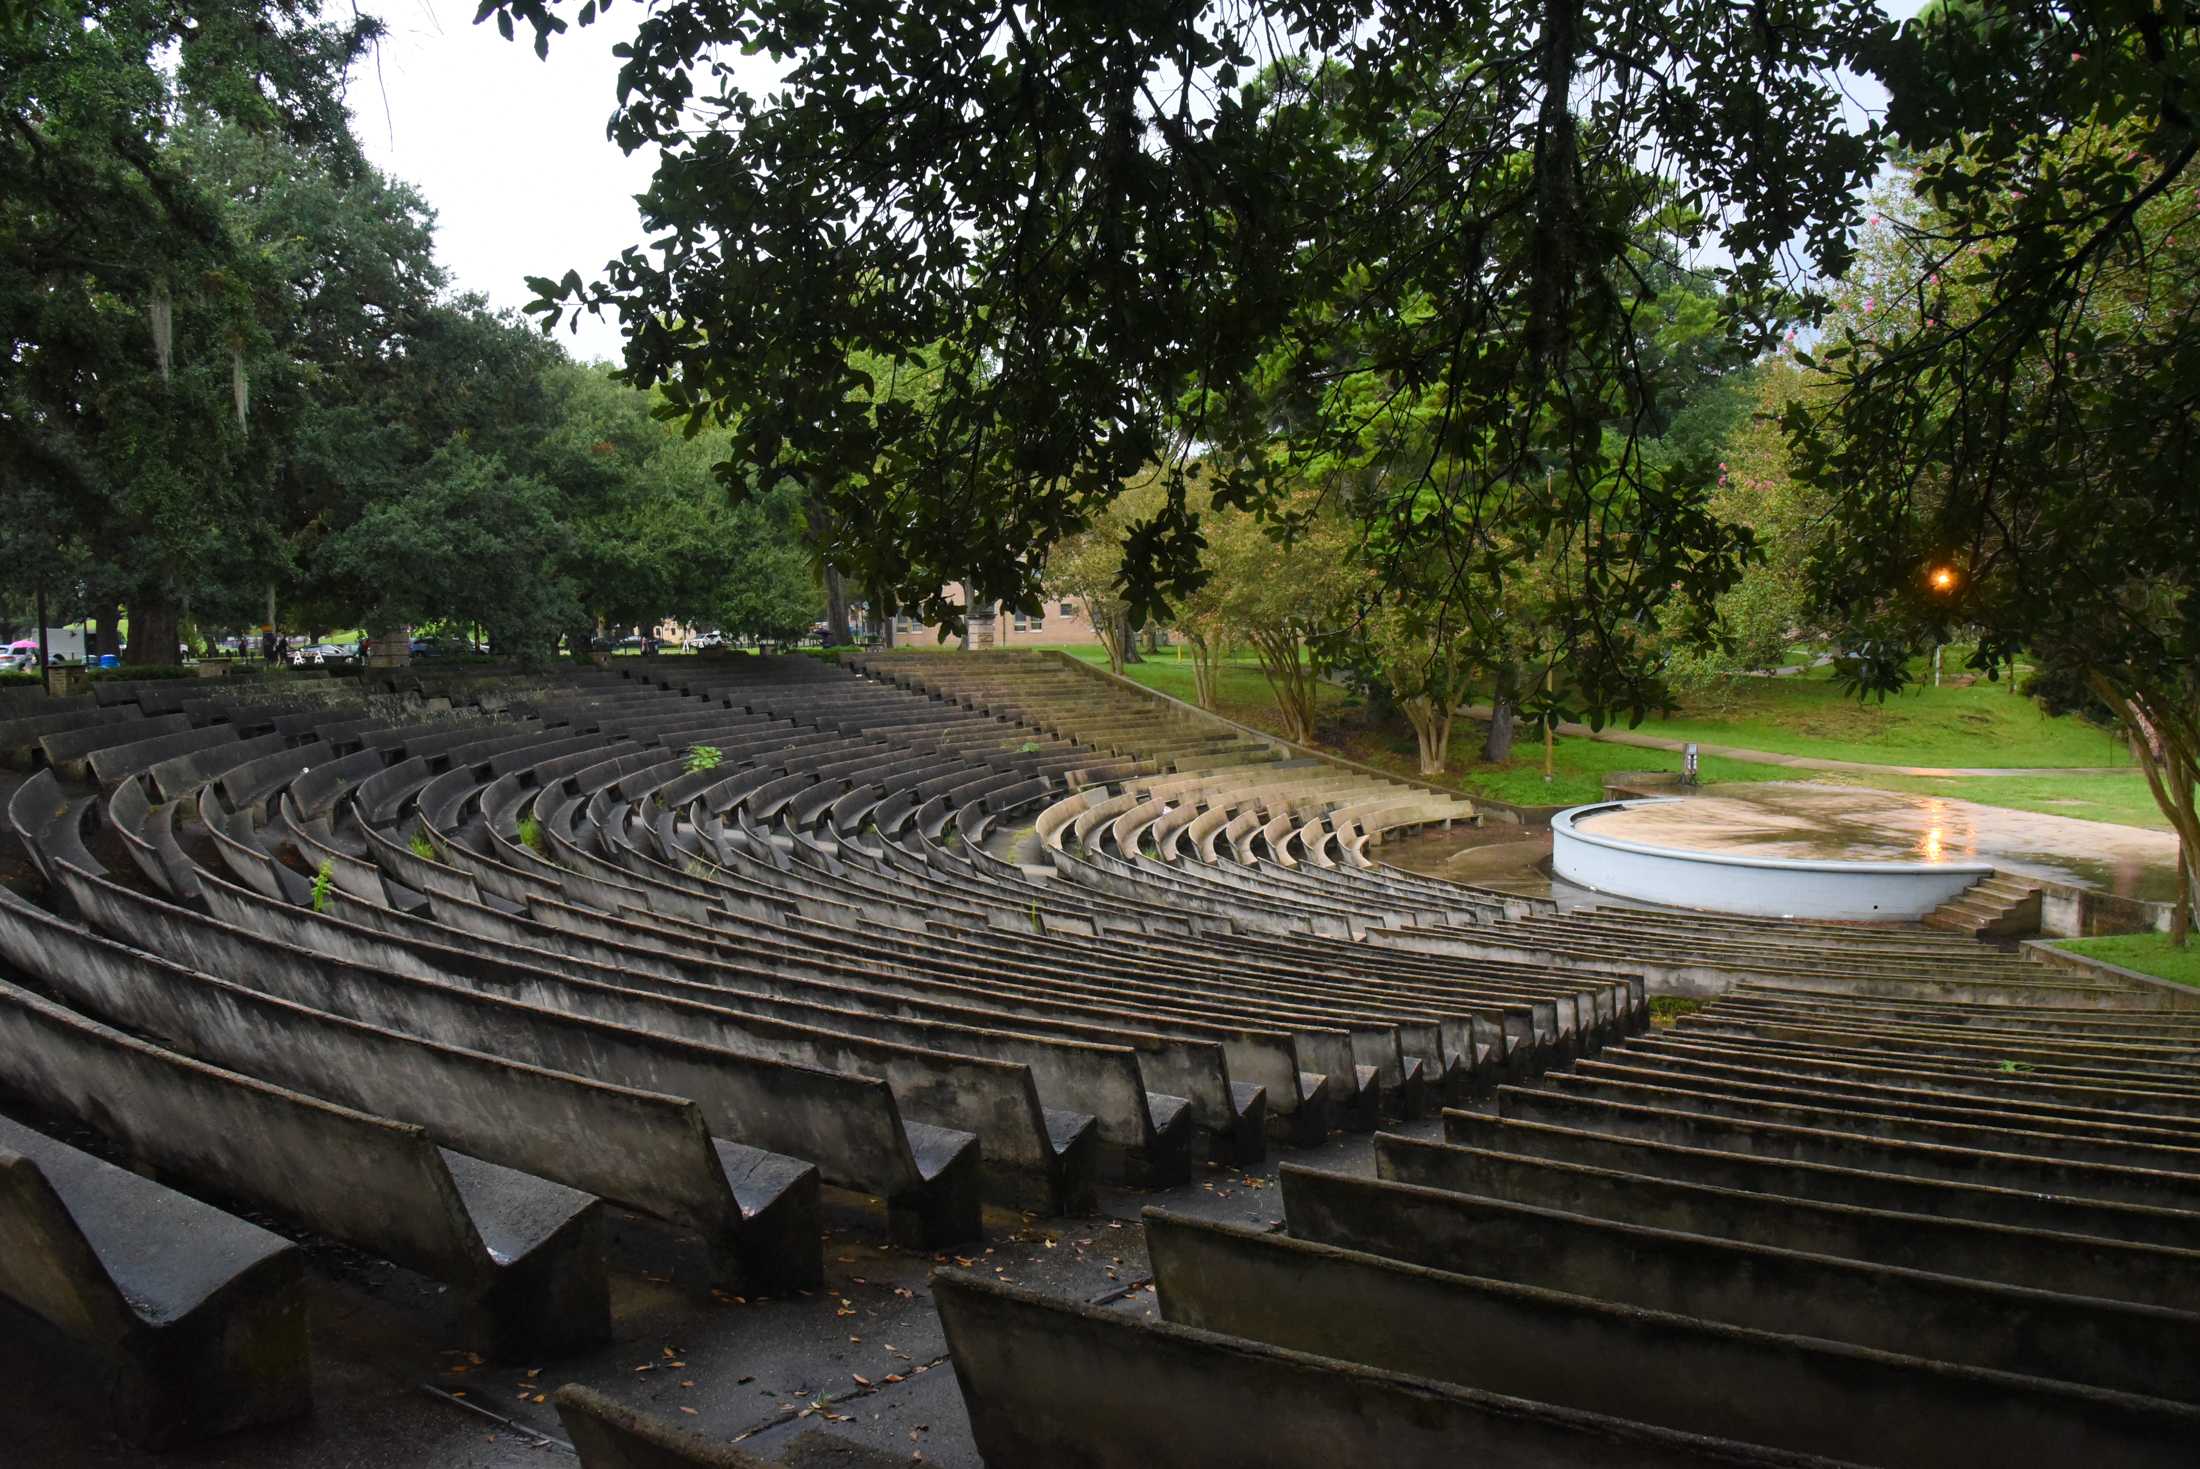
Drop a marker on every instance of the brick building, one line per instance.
(1062, 620)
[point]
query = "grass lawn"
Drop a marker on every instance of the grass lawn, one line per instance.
(1578, 765)
(1790, 716)
(1983, 724)
(2118, 797)
(2149, 953)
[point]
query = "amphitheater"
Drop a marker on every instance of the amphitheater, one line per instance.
(974, 1060)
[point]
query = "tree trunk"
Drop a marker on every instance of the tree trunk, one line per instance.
(1126, 637)
(836, 609)
(2163, 726)
(155, 625)
(1111, 639)
(1431, 722)
(1497, 748)
(1203, 670)
(2180, 917)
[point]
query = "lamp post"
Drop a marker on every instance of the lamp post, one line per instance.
(1942, 579)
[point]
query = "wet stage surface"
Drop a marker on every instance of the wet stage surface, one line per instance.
(1801, 819)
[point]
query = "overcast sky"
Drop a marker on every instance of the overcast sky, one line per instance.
(510, 149)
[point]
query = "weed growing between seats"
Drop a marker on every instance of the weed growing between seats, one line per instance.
(323, 880)
(530, 833)
(422, 847)
(1666, 1009)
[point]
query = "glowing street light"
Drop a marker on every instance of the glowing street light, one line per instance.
(1943, 578)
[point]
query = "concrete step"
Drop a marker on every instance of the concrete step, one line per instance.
(1992, 908)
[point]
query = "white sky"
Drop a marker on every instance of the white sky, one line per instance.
(509, 148)
(511, 152)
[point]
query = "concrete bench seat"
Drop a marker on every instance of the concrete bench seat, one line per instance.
(50, 823)
(248, 786)
(316, 792)
(2163, 1062)
(1038, 1156)
(175, 1320)
(185, 772)
(2174, 1120)
(69, 751)
(20, 736)
(153, 695)
(2116, 1346)
(849, 1125)
(293, 1018)
(2020, 1134)
(2101, 1080)
(1976, 1200)
(1144, 1137)
(1227, 1116)
(147, 832)
(1657, 1367)
(2107, 1268)
(1048, 1381)
(525, 1256)
(1791, 1141)
(112, 763)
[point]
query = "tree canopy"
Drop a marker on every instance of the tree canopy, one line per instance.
(1105, 236)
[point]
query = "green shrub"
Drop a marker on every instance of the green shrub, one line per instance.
(128, 672)
(530, 833)
(703, 757)
(323, 880)
(422, 847)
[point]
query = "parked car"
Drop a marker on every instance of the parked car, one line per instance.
(711, 639)
(441, 647)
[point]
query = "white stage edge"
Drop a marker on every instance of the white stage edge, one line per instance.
(1763, 887)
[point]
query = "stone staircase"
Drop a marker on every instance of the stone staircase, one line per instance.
(1998, 907)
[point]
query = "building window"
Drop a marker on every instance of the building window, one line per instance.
(1023, 623)
(1067, 609)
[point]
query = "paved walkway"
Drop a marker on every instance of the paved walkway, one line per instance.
(1809, 762)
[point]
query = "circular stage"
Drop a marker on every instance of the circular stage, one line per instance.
(1723, 856)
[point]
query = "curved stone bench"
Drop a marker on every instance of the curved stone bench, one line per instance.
(2103, 1344)
(70, 751)
(848, 1125)
(50, 824)
(19, 736)
(1048, 1381)
(1675, 1371)
(175, 1320)
(293, 1017)
(121, 762)
(526, 1256)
